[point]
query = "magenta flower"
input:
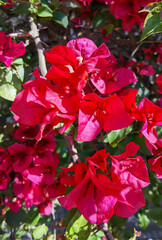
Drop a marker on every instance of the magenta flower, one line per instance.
(156, 166)
(9, 49)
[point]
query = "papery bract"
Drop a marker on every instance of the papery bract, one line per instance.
(151, 115)
(93, 201)
(130, 171)
(13, 205)
(159, 82)
(156, 166)
(9, 49)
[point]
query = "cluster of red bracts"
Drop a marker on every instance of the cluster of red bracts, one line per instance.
(84, 85)
(128, 11)
(31, 168)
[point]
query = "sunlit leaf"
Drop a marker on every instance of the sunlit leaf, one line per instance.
(44, 11)
(40, 231)
(153, 23)
(60, 18)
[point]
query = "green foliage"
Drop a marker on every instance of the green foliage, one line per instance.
(40, 231)
(140, 140)
(143, 220)
(16, 219)
(1, 3)
(60, 18)
(33, 216)
(155, 215)
(9, 83)
(99, 19)
(114, 137)
(21, 8)
(153, 22)
(78, 227)
(44, 11)
(96, 236)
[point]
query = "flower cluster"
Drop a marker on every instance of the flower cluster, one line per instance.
(31, 168)
(81, 86)
(96, 196)
(153, 50)
(127, 11)
(84, 86)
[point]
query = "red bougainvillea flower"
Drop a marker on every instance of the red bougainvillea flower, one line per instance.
(93, 195)
(156, 166)
(153, 50)
(73, 62)
(5, 169)
(14, 205)
(149, 52)
(156, 147)
(97, 113)
(142, 69)
(128, 12)
(128, 98)
(104, 75)
(131, 171)
(85, 49)
(108, 79)
(31, 193)
(43, 170)
(151, 115)
(159, 82)
(51, 102)
(9, 49)
(96, 196)
(43, 102)
(21, 156)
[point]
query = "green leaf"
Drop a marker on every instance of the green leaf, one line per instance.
(40, 231)
(114, 137)
(9, 84)
(18, 61)
(60, 18)
(109, 28)
(159, 131)
(34, 216)
(78, 227)
(153, 23)
(21, 8)
(20, 71)
(5, 236)
(97, 236)
(16, 219)
(8, 91)
(155, 214)
(143, 220)
(44, 11)
(70, 130)
(141, 141)
(1, 3)
(99, 19)
(159, 4)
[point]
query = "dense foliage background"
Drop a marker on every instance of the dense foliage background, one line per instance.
(42, 25)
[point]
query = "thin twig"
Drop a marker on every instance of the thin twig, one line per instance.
(35, 34)
(72, 149)
(134, 51)
(19, 35)
(105, 229)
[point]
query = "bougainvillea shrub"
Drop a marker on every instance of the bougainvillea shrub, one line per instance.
(81, 118)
